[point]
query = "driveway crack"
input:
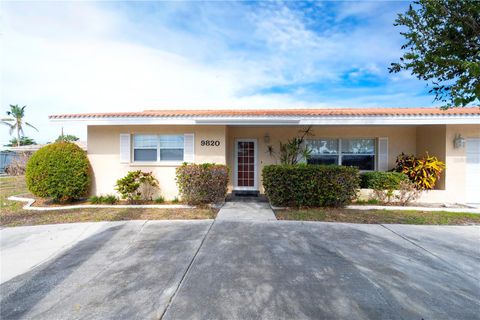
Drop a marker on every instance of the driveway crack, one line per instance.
(184, 276)
(430, 252)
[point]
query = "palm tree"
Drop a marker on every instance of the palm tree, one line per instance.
(17, 115)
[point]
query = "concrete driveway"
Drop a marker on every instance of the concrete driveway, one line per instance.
(242, 270)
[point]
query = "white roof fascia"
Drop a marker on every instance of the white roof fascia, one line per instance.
(280, 120)
(391, 120)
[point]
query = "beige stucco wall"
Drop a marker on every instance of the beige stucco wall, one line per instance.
(104, 149)
(400, 139)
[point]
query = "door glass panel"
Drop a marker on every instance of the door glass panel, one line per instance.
(245, 167)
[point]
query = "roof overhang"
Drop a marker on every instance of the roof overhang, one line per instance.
(278, 120)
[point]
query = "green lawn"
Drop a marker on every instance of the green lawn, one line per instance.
(12, 214)
(379, 216)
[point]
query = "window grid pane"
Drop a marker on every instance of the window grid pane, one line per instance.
(358, 146)
(323, 146)
(145, 155)
(171, 147)
(362, 162)
(323, 159)
(144, 141)
(171, 142)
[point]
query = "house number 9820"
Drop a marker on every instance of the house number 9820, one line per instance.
(209, 143)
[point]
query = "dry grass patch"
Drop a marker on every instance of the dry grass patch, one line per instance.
(379, 216)
(12, 214)
(11, 186)
(26, 217)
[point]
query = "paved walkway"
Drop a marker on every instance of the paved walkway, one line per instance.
(250, 211)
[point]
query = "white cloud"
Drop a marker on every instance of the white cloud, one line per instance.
(89, 57)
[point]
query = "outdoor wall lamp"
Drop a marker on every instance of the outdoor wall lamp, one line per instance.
(458, 141)
(266, 138)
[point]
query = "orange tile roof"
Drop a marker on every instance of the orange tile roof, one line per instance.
(276, 113)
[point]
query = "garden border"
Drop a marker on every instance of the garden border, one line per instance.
(412, 208)
(31, 201)
(400, 208)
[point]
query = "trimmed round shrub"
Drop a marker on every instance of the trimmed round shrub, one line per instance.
(379, 180)
(202, 183)
(60, 171)
(304, 185)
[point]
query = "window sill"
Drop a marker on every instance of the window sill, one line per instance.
(156, 164)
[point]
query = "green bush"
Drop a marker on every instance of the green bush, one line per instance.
(424, 172)
(378, 180)
(60, 171)
(310, 185)
(159, 200)
(137, 185)
(95, 199)
(202, 183)
(108, 199)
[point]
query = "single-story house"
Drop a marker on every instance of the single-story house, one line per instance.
(161, 140)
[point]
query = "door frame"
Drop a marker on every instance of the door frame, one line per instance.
(255, 165)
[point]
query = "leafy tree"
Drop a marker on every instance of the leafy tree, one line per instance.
(443, 47)
(24, 141)
(67, 137)
(16, 122)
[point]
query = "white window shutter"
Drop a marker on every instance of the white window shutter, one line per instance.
(189, 147)
(125, 148)
(382, 163)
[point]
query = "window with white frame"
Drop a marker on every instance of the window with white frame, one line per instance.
(153, 148)
(357, 152)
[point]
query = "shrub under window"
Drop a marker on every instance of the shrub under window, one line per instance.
(310, 185)
(202, 183)
(382, 180)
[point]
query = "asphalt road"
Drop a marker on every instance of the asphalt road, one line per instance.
(244, 270)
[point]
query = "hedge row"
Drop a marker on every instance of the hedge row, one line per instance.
(202, 183)
(378, 180)
(310, 185)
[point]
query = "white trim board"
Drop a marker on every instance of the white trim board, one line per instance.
(284, 120)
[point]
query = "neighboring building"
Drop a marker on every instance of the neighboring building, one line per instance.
(9, 154)
(161, 140)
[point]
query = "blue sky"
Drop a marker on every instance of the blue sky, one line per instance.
(65, 57)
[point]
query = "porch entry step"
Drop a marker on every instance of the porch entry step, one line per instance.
(246, 196)
(246, 193)
(246, 211)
